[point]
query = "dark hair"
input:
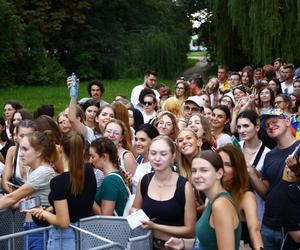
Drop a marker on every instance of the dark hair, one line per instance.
(45, 123)
(278, 59)
(213, 158)
(223, 66)
(279, 90)
(241, 88)
(137, 117)
(249, 114)
(260, 105)
(97, 83)
(45, 109)
(104, 145)
(25, 114)
(227, 112)
(88, 103)
(15, 104)
(197, 79)
(150, 72)
(145, 92)
(73, 145)
(3, 134)
(149, 129)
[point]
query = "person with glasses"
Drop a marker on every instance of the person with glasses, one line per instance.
(149, 82)
(284, 103)
(116, 131)
(268, 183)
(194, 104)
(149, 108)
(235, 79)
(166, 124)
(182, 91)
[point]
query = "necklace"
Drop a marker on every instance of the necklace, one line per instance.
(161, 185)
(249, 153)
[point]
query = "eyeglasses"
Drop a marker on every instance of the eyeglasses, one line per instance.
(193, 109)
(167, 124)
(113, 132)
(148, 103)
(182, 88)
(272, 122)
(278, 102)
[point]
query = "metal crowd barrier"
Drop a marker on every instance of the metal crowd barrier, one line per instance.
(97, 232)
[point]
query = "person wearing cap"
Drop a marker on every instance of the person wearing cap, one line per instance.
(193, 105)
(268, 183)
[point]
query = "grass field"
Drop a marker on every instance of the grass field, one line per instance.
(33, 96)
(197, 53)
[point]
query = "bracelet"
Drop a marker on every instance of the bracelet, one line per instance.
(182, 240)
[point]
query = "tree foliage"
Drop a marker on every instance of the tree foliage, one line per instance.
(42, 40)
(252, 31)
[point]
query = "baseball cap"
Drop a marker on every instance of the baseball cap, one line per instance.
(275, 112)
(197, 100)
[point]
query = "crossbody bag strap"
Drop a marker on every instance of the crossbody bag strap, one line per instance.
(128, 191)
(259, 154)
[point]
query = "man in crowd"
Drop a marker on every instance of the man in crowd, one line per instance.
(270, 186)
(95, 90)
(193, 105)
(149, 82)
(288, 74)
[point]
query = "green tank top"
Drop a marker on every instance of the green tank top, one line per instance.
(207, 235)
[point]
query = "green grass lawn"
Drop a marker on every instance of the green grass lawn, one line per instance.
(197, 53)
(33, 96)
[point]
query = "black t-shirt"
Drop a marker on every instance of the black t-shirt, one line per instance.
(272, 172)
(81, 205)
(291, 214)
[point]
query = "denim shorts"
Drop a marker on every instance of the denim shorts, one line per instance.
(35, 241)
(63, 239)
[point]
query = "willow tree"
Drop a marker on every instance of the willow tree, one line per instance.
(255, 31)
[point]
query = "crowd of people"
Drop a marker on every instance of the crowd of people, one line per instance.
(214, 165)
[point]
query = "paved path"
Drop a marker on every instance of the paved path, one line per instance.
(200, 67)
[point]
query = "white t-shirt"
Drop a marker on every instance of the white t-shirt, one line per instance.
(136, 93)
(40, 179)
(141, 170)
(260, 202)
(287, 89)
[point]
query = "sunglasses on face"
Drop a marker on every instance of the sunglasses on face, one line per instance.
(148, 103)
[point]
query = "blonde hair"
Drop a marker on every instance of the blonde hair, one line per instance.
(173, 105)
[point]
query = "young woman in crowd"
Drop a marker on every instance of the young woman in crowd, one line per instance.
(274, 85)
(208, 113)
(219, 226)
(236, 181)
(10, 107)
(143, 137)
(220, 125)
(189, 146)
(39, 153)
(165, 196)
(227, 101)
(239, 92)
(116, 131)
(20, 114)
(173, 106)
(5, 143)
(166, 124)
(265, 100)
(15, 170)
(71, 196)
(247, 78)
(182, 91)
(212, 88)
(202, 128)
(252, 147)
(111, 196)
(90, 108)
(284, 103)
(149, 108)
(63, 122)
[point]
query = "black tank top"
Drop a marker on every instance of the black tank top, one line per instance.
(169, 212)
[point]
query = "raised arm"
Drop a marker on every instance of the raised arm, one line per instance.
(75, 122)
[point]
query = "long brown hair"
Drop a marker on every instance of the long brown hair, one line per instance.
(240, 182)
(73, 147)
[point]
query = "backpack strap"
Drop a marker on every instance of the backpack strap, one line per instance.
(128, 191)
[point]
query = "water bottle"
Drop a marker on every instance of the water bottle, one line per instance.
(74, 86)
